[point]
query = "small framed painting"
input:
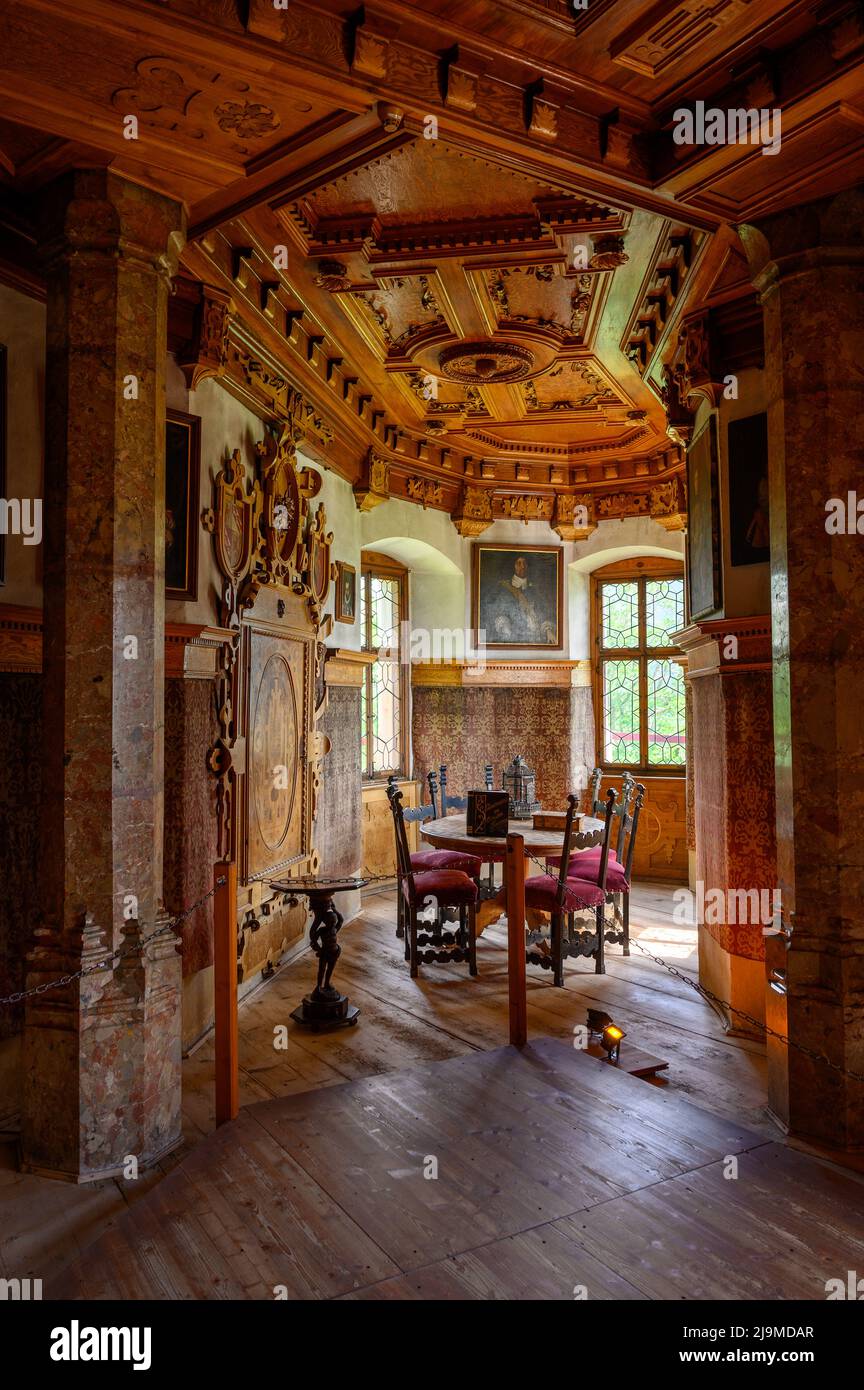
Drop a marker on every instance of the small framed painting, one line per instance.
(182, 474)
(749, 530)
(703, 530)
(346, 592)
(517, 596)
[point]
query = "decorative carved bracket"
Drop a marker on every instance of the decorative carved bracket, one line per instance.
(473, 514)
(373, 487)
(209, 348)
(574, 518)
(669, 504)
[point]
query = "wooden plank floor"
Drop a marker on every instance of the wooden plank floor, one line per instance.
(444, 1014)
(554, 1173)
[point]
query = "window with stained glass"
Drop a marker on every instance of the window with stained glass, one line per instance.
(382, 698)
(640, 685)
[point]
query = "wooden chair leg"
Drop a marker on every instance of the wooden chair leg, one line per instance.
(412, 938)
(400, 910)
(557, 930)
(472, 939)
(600, 954)
(625, 910)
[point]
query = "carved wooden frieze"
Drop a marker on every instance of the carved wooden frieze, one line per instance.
(425, 491)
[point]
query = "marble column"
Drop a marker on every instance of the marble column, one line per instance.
(102, 1055)
(808, 265)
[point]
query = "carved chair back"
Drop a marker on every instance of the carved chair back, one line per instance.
(410, 814)
(633, 824)
(584, 839)
(598, 804)
(403, 853)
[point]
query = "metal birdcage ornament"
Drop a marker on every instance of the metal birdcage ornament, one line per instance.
(519, 782)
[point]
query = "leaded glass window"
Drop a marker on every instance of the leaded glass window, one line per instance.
(382, 699)
(640, 683)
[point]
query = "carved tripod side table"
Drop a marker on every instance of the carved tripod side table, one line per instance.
(324, 1007)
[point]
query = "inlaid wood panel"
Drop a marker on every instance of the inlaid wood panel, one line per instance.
(379, 843)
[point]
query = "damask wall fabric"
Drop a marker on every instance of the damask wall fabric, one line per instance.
(20, 800)
(733, 754)
(467, 727)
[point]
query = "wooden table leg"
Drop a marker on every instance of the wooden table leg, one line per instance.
(514, 877)
(225, 991)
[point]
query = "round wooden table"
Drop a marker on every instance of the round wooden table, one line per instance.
(450, 832)
(522, 846)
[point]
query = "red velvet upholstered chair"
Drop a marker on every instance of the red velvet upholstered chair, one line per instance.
(441, 887)
(585, 864)
(561, 895)
(426, 859)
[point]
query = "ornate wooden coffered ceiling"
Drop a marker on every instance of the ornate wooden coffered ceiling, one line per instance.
(464, 234)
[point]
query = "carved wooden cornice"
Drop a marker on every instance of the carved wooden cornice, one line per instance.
(346, 667)
(556, 675)
(191, 649)
(20, 638)
(708, 650)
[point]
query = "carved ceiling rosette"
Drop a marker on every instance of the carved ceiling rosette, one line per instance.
(487, 362)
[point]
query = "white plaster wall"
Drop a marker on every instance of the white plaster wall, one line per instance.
(22, 332)
(440, 563)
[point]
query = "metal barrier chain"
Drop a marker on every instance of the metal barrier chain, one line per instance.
(22, 994)
(121, 951)
(756, 1023)
(712, 998)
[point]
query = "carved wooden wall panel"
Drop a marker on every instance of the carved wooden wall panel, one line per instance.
(276, 825)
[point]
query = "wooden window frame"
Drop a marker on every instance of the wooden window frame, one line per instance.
(628, 571)
(373, 563)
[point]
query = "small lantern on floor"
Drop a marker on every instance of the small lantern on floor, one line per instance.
(519, 782)
(611, 1042)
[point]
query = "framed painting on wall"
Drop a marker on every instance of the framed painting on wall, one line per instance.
(703, 530)
(182, 474)
(346, 592)
(517, 595)
(749, 539)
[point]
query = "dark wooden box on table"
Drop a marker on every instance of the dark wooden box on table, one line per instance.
(487, 813)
